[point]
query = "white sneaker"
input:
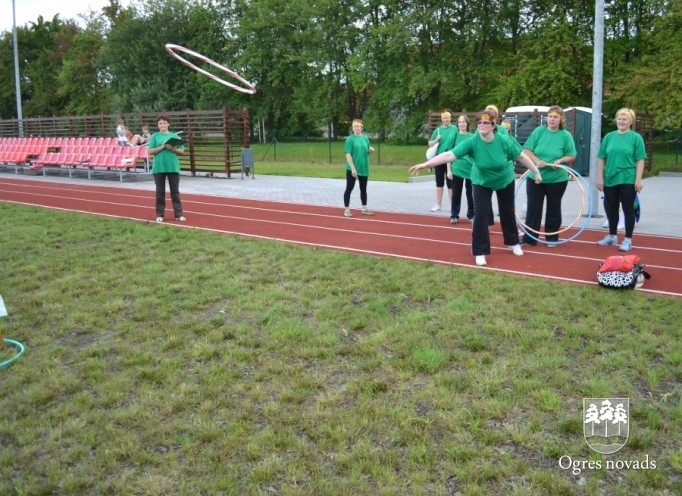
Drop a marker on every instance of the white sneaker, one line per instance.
(347, 213)
(516, 249)
(435, 208)
(480, 260)
(609, 239)
(626, 245)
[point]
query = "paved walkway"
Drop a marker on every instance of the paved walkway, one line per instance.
(660, 199)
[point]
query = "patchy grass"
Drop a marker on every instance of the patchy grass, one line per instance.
(172, 361)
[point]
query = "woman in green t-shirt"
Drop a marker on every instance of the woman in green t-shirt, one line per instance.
(548, 146)
(493, 171)
(357, 149)
(620, 165)
(444, 135)
(459, 173)
(166, 165)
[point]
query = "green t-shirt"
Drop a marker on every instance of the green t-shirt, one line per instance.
(165, 161)
(550, 146)
(462, 166)
(358, 147)
(621, 152)
(447, 142)
(493, 162)
(501, 131)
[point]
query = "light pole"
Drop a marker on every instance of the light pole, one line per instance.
(597, 85)
(17, 84)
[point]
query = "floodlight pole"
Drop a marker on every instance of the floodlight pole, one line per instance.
(17, 84)
(597, 91)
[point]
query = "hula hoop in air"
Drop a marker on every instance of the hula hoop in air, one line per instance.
(586, 204)
(18, 345)
(248, 88)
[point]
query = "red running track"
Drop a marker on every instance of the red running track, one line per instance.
(407, 236)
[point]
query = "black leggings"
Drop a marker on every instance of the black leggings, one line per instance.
(441, 175)
(459, 184)
(350, 184)
(620, 195)
(536, 194)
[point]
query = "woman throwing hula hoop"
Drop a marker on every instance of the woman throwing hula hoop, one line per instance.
(493, 171)
(548, 147)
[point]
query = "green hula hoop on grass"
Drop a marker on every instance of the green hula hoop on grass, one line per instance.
(18, 345)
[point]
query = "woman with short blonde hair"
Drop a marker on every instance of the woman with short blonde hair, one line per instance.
(357, 149)
(620, 165)
(444, 135)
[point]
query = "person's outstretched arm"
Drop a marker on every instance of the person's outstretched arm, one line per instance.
(443, 158)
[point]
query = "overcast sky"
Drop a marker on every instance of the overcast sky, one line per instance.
(28, 10)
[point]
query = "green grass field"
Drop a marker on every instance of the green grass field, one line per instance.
(165, 361)
(388, 163)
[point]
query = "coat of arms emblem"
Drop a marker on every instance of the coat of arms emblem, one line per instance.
(606, 425)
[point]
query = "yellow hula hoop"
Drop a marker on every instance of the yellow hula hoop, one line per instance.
(247, 88)
(571, 173)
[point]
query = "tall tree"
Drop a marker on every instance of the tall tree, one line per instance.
(655, 83)
(553, 68)
(78, 78)
(41, 56)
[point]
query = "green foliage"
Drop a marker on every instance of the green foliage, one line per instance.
(553, 69)
(328, 62)
(78, 80)
(655, 81)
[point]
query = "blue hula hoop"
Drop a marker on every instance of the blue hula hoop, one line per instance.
(590, 200)
(18, 345)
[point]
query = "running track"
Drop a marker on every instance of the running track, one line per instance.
(410, 237)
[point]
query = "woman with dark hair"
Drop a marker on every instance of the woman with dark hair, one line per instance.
(548, 146)
(620, 165)
(492, 155)
(166, 165)
(459, 174)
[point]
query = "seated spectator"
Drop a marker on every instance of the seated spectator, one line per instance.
(125, 137)
(144, 137)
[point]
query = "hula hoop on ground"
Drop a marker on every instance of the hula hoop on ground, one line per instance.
(586, 202)
(18, 345)
(248, 87)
